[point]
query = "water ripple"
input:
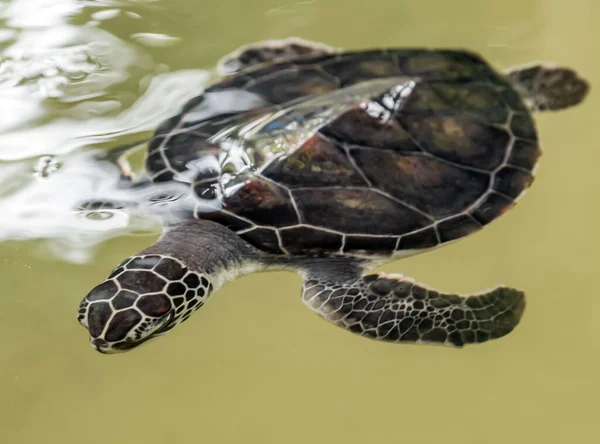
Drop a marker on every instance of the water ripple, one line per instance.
(71, 83)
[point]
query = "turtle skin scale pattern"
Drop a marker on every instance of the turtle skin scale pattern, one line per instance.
(455, 156)
(393, 308)
(138, 295)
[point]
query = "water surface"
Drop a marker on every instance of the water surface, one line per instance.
(78, 78)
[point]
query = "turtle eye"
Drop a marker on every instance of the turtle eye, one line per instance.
(155, 305)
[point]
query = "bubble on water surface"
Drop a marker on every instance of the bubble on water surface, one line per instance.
(105, 14)
(155, 40)
(45, 166)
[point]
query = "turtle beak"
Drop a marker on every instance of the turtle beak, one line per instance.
(100, 345)
(164, 325)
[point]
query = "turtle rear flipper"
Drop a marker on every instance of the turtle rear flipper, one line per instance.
(545, 87)
(269, 51)
(394, 308)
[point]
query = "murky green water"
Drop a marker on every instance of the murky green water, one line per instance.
(254, 365)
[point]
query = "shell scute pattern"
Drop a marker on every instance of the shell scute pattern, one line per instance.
(511, 181)
(258, 199)
(267, 239)
(492, 207)
(460, 140)
(288, 84)
(478, 100)
(318, 163)
(354, 210)
(449, 65)
(357, 128)
(457, 227)
(185, 139)
(522, 126)
(441, 163)
(385, 245)
(301, 240)
(426, 238)
(430, 186)
(355, 67)
(524, 155)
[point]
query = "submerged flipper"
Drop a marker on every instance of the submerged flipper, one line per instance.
(394, 308)
(545, 87)
(268, 51)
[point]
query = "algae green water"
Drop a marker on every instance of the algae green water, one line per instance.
(255, 365)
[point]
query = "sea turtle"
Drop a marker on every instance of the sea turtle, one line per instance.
(328, 162)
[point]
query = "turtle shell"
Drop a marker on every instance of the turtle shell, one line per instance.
(372, 152)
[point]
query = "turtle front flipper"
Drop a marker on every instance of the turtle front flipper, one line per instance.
(396, 309)
(545, 87)
(269, 51)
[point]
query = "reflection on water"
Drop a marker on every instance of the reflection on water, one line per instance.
(81, 78)
(44, 207)
(65, 87)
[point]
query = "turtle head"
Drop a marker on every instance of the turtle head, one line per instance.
(144, 297)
